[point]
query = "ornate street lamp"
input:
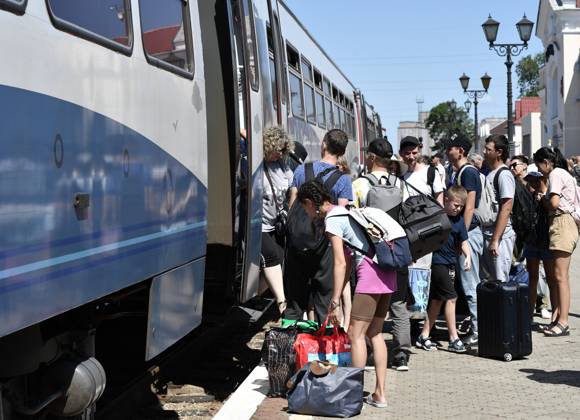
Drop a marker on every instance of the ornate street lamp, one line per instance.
(475, 95)
(490, 29)
(467, 105)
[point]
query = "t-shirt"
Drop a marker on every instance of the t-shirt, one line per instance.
(361, 187)
(281, 179)
(448, 254)
(442, 174)
(418, 179)
(563, 184)
(342, 189)
(471, 181)
(507, 187)
(349, 230)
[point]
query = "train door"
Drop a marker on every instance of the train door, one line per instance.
(277, 65)
(249, 212)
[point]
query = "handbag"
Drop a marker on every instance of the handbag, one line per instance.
(279, 358)
(333, 348)
(321, 389)
(281, 223)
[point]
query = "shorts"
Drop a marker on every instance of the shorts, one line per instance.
(442, 282)
(563, 233)
(535, 253)
(271, 254)
(365, 307)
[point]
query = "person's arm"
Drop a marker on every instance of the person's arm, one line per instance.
(343, 202)
(503, 216)
(469, 208)
(293, 195)
(339, 275)
(439, 198)
(466, 250)
(553, 201)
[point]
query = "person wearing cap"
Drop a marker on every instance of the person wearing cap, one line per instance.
(379, 155)
(468, 176)
(536, 249)
(396, 167)
(297, 156)
(519, 167)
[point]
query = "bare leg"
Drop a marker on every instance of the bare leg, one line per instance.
(375, 333)
(533, 267)
(356, 334)
(561, 274)
(549, 267)
(432, 313)
(346, 306)
(450, 318)
(275, 281)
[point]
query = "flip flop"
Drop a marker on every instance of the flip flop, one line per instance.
(370, 401)
(564, 331)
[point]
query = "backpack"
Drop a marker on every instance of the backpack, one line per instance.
(389, 247)
(431, 174)
(576, 173)
(425, 222)
(486, 211)
(385, 196)
(303, 234)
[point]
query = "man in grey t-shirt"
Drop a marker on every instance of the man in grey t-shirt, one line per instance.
(499, 238)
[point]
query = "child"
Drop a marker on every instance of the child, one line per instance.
(443, 273)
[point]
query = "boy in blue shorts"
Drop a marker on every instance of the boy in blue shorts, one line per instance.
(443, 273)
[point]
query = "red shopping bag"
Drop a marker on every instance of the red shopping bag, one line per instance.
(334, 348)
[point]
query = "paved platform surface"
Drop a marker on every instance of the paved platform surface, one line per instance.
(443, 385)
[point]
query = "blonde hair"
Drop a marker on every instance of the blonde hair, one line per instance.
(275, 139)
(343, 165)
(457, 192)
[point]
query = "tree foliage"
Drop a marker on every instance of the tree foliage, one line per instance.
(528, 72)
(447, 120)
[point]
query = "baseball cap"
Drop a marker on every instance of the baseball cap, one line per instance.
(409, 141)
(459, 141)
(533, 174)
(380, 147)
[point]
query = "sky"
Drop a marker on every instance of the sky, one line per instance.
(399, 51)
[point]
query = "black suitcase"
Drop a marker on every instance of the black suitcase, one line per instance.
(504, 320)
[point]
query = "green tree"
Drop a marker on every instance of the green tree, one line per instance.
(446, 120)
(528, 72)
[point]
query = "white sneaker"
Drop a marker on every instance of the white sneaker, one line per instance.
(545, 313)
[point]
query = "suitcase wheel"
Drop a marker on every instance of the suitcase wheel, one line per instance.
(507, 357)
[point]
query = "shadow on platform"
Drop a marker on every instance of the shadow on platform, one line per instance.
(557, 377)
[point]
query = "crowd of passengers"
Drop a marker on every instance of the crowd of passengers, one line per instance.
(318, 285)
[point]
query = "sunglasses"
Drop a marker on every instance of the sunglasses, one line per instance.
(514, 165)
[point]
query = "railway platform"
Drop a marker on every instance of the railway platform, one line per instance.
(442, 385)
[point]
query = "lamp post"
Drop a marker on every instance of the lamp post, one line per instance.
(490, 29)
(475, 94)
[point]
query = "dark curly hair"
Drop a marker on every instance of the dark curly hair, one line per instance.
(554, 156)
(315, 192)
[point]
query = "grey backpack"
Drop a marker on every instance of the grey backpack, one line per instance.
(487, 210)
(384, 194)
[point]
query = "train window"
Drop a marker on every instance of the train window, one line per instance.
(273, 82)
(352, 127)
(336, 114)
(282, 60)
(106, 23)
(14, 6)
(309, 102)
(167, 36)
(320, 110)
(251, 46)
(306, 70)
(328, 112)
(317, 79)
(326, 86)
(293, 57)
(335, 94)
(341, 98)
(343, 120)
(296, 96)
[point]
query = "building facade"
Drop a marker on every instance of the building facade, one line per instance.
(417, 129)
(559, 30)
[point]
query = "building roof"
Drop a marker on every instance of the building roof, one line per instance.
(499, 129)
(526, 105)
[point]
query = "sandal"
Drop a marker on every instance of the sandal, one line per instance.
(370, 401)
(564, 330)
(546, 327)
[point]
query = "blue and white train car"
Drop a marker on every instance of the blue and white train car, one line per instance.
(131, 175)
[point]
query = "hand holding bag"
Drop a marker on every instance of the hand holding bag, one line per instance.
(321, 389)
(334, 348)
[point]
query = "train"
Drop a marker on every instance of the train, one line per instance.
(126, 128)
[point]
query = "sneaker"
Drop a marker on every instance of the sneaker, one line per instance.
(425, 343)
(545, 313)
(456, 346)
(401, 364)
(465, 326)
(471, 340)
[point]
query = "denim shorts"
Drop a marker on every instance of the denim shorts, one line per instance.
(536, 253)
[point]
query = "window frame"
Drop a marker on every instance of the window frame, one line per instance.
(310, 84)
(254, 83)
(315, 72)
(73, 29)
(320, 94)
(154, 61)
(297, 69)
(17, 8)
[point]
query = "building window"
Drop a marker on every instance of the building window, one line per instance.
(296, 96)
(14, 6)
(167, 35)
(106, 23)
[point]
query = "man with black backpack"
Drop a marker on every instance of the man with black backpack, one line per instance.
(309, 265)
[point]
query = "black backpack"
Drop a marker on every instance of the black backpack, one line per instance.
(524, 211)
(304, 236)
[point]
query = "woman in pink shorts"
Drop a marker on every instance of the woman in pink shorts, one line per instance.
(373, 289)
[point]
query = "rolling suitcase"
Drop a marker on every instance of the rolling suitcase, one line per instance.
(504, 320)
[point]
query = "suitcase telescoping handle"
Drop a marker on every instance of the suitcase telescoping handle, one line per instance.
(433, 230)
